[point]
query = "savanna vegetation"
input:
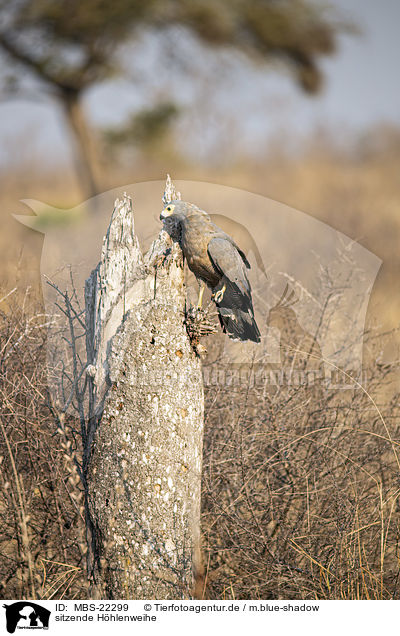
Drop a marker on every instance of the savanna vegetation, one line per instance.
(300, 485)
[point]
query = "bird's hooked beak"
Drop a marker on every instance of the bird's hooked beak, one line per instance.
(167, 211)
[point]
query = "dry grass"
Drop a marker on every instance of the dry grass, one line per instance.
(42, 543)
(357, 194)
(300, 492)
(300, 487)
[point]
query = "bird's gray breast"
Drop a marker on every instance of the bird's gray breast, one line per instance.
(194, 243)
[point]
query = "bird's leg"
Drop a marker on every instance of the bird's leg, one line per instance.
(201, 292)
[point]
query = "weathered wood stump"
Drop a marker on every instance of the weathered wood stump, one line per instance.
(143, 452)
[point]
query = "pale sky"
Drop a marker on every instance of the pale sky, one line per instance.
(361, 89)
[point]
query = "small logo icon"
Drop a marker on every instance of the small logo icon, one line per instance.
(26, 615)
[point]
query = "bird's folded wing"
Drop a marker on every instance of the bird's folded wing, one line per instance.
(228, 262)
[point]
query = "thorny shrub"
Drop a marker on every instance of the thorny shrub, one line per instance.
(42, 540)
(301, 487)
(300, 483)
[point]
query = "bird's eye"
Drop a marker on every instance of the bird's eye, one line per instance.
(169, 208)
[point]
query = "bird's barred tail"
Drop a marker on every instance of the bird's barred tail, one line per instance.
(235, 311)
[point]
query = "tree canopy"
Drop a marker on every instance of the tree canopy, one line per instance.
(71, 45)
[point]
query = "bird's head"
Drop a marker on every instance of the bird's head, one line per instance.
(172, 216)
(175, 214)
(176, 209)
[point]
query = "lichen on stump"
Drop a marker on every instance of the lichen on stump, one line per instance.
(144, 466)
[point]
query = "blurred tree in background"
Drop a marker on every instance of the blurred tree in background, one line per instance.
(149, 129)
(71, 45)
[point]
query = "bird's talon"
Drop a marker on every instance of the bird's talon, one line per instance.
(219, 295)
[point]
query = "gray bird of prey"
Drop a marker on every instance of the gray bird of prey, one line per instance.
(216, 261)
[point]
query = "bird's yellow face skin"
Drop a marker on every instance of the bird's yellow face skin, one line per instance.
(167, 211)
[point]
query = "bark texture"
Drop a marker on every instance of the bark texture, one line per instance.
(143, 469)
(85, 157)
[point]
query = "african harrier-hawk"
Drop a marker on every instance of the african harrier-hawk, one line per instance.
(216, 260)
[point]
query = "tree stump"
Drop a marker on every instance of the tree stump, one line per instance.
(143, 452)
